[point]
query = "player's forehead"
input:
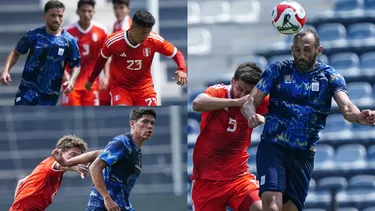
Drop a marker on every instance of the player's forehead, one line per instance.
(307, 40)
(86, 7)
(244, 85)
(57, 11)
(76, 150)
(147, 117)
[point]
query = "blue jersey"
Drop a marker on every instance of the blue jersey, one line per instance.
(299, 102)
(45, 64)
(124, 163)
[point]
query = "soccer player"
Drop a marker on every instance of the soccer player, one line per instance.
(37, 190)
(90, 36)
(301, 92)
(221, 174)
(123, 22)
(49, 48)
(116, 168)
(132, 52)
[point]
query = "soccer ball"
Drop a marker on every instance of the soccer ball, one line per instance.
(288, 17)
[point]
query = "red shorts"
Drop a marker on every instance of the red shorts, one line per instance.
(209, 195)
(105, 97)
(81, 98)
(121, 96)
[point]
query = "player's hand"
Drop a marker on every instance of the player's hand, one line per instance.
(80, 169)
(182, 77)
(69, 86)
(366, 117)
(110, 205)
(242, 100)
(57, 154)
(5, 78)
(256, 120)
(88, 86)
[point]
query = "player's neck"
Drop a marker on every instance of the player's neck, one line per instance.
(54, 33)
(84, 25)
(137, 140)
(129, 35)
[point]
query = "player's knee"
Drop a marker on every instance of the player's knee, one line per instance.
(272, 201)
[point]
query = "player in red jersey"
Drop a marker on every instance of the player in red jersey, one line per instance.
(90, 36)
(36, 191)
(132, 53)
(221, 174)
(123, 22)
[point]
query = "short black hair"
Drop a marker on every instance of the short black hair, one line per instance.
(248, 72)
(52, 4)
(83, 2)
(138, 113)
(126, 2)
(306, 31)
(143, 18)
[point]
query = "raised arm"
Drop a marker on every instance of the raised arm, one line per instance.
(87, 157)
(204, 102)
(74, 64)
(255, 98)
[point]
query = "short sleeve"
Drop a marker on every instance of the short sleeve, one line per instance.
(338, 83)
(105, 52)
(268, 77)
(117, 149)
(23, 46)
(216, 90)
(163, 46)
(263, 107)
(74, 57)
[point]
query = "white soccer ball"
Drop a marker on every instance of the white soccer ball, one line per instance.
(288, 17)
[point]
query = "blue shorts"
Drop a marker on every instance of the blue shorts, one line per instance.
(29, 97)
(93, 208)
(286, 170)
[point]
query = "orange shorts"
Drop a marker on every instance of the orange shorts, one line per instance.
(81, 98)
(121, 96)
(209, 195)
(105, 97)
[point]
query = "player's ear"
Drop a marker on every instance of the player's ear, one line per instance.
(232, 81)
(131, 123)
(320, 50)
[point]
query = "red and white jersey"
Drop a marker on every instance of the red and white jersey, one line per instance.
(122, 25)
(133, 62)
(90, 42)
(220, 152)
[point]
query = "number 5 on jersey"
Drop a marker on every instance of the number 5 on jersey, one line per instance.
(232, 125)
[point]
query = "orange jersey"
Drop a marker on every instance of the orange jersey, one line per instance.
(90, 42)
(122, 25)
(132, 63)
(40, 187)
(220, 152)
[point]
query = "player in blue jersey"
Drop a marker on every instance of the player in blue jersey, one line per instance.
(116, 168)
(301, 92)
(49, 49)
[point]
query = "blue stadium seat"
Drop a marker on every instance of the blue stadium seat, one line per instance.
(190, 162)
(279, 58)
(193, 94)
(323, 59)
(347, 209)
(330, 183)
(334, 33)
(193, 126)
(312, 185)
(259, 60)
(345, 63)
(324, 156)
(199, 41)
(350, 156)
(337, 128)
(245, 11)
(362, 181)
(366, 64)
(369, 5)
(369, 209)
(371, 155)
(360, 93)
(193, 12)
(360, 31)
(215, 11)
(192, 138)
(348, 5)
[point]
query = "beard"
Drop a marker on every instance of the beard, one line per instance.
(54, 26)
(305, 65)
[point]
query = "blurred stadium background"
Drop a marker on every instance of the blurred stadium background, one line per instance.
(28, 135)
(16, 17)
(224, 33)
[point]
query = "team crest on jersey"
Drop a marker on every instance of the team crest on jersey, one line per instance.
(146, 52)
(94, 37)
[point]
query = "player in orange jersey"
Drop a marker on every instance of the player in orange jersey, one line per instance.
(132, 52)
(36, 191)
(123, 22)
(221, 174)
(90, 37)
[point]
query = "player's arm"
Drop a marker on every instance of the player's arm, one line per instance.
(350, 111)
(257, 95)
(74, 64)
(167, 49)
(112, 153)
(209, 102)
(23, 46)
(87, 157)
(19, 183)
